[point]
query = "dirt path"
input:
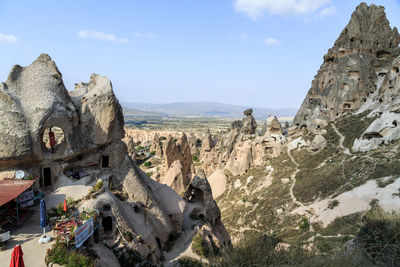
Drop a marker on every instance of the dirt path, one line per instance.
(345, 150)
(293, 179)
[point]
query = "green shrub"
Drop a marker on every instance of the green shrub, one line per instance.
(60, 254)
(383, 182)
(98, 186)
(198, 246)
(147, 164)
(128, 236)
(138, 148)
(333, 203)
(195, 158)
(189, 262)
(152, 153)
(304, 223)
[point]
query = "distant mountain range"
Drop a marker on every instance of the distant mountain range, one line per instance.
(201, 109)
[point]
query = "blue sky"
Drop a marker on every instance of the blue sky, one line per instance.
(261, 53)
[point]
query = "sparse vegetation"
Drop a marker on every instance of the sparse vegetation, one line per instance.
(60, 254)
(198, 246)
(383, 182)
(380, 236)
(147, 164)
(98, 186)
(353, 126)
(195, 158)
(333, 203)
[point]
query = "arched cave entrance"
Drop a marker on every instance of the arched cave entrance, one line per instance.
(52, 138)
(107, 224)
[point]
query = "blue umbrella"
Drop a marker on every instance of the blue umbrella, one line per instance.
(43, 216)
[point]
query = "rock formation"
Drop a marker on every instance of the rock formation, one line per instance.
(272, 126)
(199, 192)
(240, 148)
(249, 124)
(155, 146)
(357, 71)
(318, 143)
(130, 146)
(34, 100)
(178, 164)
(207, 143)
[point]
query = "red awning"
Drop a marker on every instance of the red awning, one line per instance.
(11, 189)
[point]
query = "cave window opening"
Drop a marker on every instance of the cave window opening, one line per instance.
(394, 123)
(318, 126)
(347, 106)
(52, 137)
(380, 100)
(396, 69)
(107, 223)
(105, 161)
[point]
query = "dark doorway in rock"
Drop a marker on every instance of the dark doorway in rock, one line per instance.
(46, 176)
(158, 242)
(107, 223)
(105, 161)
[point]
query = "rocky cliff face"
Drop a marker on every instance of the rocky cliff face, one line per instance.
(356, 70)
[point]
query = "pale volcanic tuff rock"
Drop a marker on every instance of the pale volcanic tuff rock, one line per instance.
(179, 167)
(249, 124)
(130, 145)
(206, 144)
(240, 149)
(354, 69)
(271, 126)
(155, 146)
(34, 98)
(199, 192)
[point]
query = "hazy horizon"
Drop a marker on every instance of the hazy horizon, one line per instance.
(239, 52)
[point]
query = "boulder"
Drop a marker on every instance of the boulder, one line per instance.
(271, 126)
(318, 143)
(249, 124)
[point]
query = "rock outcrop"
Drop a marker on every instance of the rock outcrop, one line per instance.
(240, 149)
(178, 164)
(34, 100)
(130, 146)
(357, 72)
(249, 124)
(199, 192)
(155, 146)
(271, 127)
(207, 143)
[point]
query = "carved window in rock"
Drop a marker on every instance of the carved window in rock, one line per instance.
(52, 138)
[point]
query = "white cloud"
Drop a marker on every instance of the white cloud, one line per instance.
(328, 11)
(143, 35)
(8, 39)
(99, 35)
(255, 9)
(271, 41)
